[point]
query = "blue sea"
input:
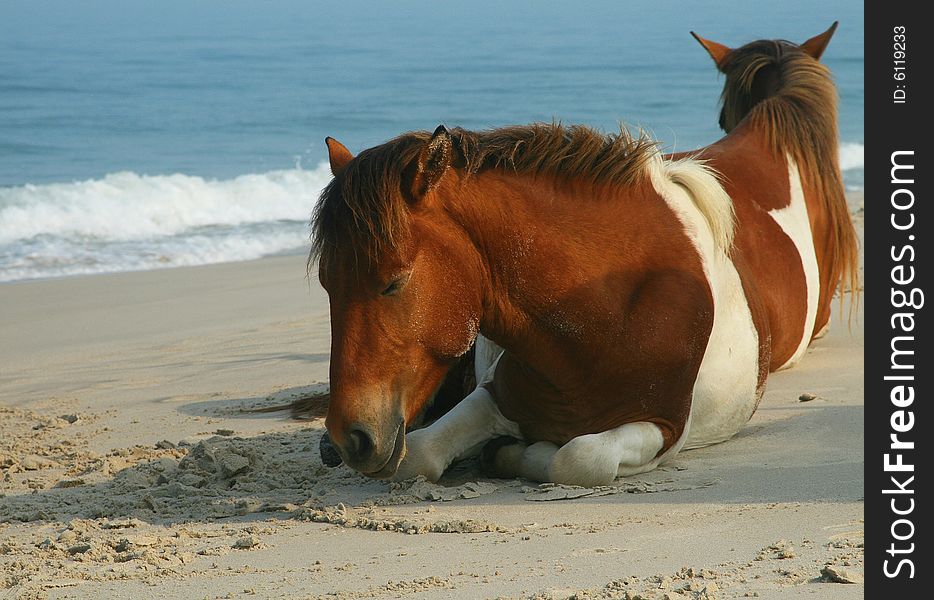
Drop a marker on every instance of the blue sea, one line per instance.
(143, 135)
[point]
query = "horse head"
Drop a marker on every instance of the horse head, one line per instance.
(403, 285)
(753, 71)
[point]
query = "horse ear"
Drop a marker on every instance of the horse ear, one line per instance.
(338, 155)
(718, 52)
(433, 161)
(817, 44)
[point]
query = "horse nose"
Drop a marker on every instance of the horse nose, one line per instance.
(360, 444)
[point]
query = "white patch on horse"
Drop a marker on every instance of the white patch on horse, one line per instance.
(725, 392)
(794, 221)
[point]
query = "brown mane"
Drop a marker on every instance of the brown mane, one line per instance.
(364, 207)
(798, 119)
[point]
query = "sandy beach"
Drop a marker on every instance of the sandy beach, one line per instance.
(131, 467)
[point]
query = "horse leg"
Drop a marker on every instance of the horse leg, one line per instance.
(464, 429)
(459, 433)
(587, 460)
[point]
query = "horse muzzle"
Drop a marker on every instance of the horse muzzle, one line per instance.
(363, 451)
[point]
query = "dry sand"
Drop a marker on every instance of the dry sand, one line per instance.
(128, 469)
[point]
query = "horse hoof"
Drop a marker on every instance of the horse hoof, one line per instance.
(490, 451)
(329, 455)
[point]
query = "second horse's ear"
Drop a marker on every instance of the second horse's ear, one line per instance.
(718, 52)
(338, 155)
(432, 163)
(817, 44)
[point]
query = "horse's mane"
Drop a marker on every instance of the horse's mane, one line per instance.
(364, 207)
(799, 119)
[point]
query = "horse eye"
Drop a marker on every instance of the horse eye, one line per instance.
(393, 288)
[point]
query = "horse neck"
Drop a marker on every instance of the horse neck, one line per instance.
(542, 242)
(497, 216)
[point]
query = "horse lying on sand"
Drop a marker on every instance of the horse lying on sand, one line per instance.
(625, 305)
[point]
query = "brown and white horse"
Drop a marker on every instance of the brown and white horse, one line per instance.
(624, 304)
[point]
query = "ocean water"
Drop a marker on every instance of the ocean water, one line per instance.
(143, 135)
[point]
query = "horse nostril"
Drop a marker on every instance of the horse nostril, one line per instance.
(361, 444)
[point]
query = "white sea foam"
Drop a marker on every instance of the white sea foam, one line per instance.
(127, 221)
(851, 156)
(128, 206)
